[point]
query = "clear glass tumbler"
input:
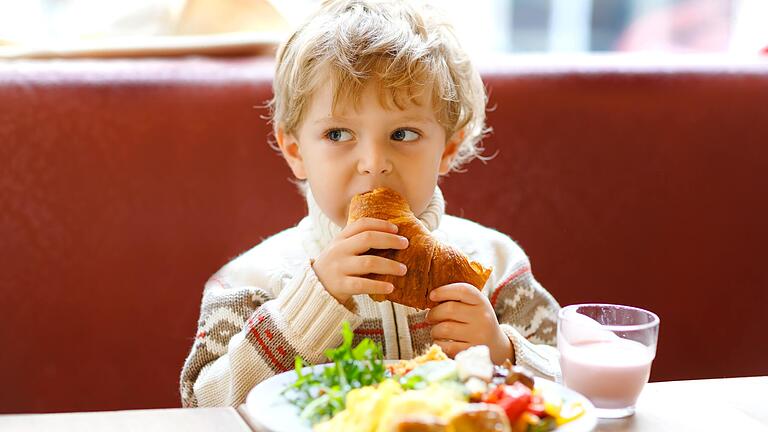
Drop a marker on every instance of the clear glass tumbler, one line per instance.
(606, 352)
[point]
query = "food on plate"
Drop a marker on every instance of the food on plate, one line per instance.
(480, 417)
(430, 263)
(320, 394)
(402, 367)
(429, 393)
(389, 405)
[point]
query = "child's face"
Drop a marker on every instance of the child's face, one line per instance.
(368, 146)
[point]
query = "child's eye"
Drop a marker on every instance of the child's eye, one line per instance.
(338, 135)
(404, 135)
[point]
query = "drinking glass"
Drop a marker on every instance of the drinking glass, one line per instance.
(606, 352)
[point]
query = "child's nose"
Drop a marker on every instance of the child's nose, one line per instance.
(374, 161)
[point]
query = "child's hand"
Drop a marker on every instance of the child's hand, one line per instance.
(341, 265)
(465, 318)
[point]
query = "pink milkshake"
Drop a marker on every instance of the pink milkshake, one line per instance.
(608, 363)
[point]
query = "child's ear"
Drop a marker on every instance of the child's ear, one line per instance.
(450, 152)
(289, 147)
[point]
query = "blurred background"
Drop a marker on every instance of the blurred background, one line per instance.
(28, 27)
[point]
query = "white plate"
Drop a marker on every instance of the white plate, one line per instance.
(267, 406)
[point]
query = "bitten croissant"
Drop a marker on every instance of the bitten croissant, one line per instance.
(430, 263)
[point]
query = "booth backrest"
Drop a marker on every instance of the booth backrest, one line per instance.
(124, 184)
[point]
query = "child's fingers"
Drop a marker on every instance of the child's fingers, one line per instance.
(450, 311)
(450, 330)
(451, 348)
(364, 241)
(368, 224)
(461, 292)
(366, 264)
(360, 285)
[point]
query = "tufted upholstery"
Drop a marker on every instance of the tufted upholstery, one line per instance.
(125, 183)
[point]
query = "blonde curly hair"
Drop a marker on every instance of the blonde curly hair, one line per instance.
(406, 46)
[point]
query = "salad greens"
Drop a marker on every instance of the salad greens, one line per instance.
(321, 392)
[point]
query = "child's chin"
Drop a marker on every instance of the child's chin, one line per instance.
(341, 220)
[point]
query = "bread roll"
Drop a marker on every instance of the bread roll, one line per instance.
(430, 263)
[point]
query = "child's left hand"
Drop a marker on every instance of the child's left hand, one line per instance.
(465, 318)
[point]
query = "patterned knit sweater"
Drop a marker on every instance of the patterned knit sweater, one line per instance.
(267, 306)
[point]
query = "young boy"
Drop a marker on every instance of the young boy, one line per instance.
(366, 94)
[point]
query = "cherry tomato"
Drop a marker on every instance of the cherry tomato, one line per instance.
(513, 399)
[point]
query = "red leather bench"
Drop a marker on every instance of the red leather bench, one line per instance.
(124, 184)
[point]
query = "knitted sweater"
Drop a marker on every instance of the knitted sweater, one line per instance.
(267, 306)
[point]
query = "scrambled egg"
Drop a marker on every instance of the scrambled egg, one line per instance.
(378, 409)
(402, 367)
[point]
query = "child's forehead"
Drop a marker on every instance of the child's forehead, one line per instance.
(340, 100)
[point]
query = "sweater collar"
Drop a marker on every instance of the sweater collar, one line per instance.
(321, 230)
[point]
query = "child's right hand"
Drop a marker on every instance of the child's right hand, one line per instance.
(341, 265)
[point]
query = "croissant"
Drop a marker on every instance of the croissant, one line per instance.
(430, 263)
